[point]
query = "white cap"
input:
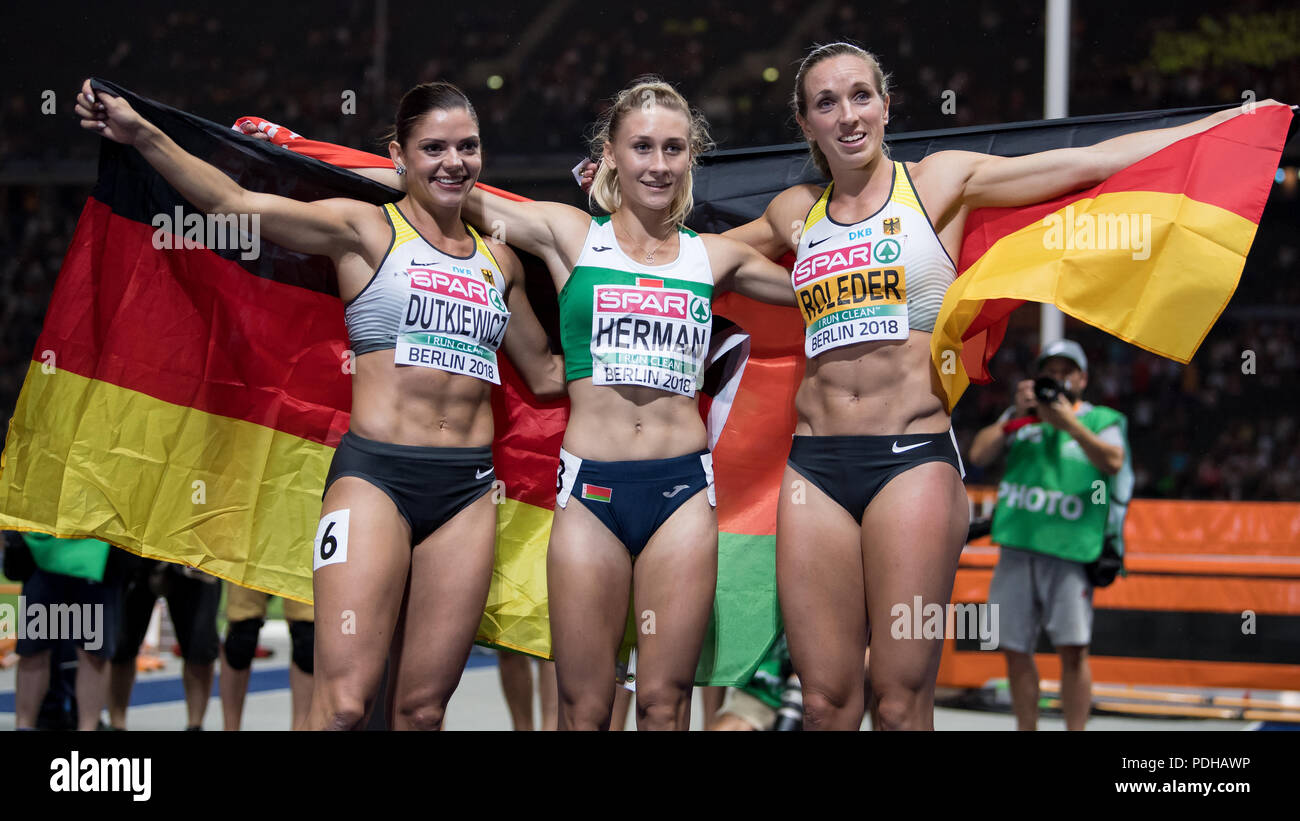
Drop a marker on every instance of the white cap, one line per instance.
(1066, 348)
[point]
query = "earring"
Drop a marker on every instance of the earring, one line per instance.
(401, 169)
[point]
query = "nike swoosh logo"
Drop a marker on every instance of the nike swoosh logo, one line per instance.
(481, 474)
(676, 490)
(897, 449)
(601, 248)
(818, 242)
(415, 264)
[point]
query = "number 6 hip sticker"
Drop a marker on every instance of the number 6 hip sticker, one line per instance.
(331, 543)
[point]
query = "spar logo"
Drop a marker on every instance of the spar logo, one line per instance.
(452, 285)
(700, 310)
(832, 262)
(495, 298)
(642, 302)
(887, 251)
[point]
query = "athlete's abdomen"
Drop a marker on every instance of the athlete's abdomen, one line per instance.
(419, 406)
(630, 422)
(871, 389)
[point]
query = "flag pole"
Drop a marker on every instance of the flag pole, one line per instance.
(1056, 104)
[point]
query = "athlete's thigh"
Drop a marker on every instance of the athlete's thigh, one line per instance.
(912, 536)
(588, 581)
(673, 585)
(819, 584)
(451, 571)
(357, 598)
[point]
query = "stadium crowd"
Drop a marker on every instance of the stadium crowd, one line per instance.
(540, 73)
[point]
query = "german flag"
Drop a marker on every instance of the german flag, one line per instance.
(1197, 205)
(183, 402)
(526, 454)
(1151, 255)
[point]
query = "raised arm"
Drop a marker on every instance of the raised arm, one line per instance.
(952, 179)
(383, 176)
(549, 230)
(738, 267)
(552, 231)
(1105, 456)
(525, 341)
(329, 227)
(777, 230)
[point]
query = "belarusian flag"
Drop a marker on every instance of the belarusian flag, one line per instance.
(597, 493)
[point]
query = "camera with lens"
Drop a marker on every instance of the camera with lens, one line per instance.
(1046, 389)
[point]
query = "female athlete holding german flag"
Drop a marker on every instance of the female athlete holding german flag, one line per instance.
(405, 548)
(873, 513)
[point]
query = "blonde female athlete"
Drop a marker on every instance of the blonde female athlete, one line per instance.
(873, 512)
(635, 505)
(407, 528)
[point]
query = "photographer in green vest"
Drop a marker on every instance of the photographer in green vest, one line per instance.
(1061, 498)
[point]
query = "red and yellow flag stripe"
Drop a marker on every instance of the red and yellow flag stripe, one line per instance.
(1151, 255)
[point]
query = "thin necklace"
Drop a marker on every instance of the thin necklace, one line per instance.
(650, 255)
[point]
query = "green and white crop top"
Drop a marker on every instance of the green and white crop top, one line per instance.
(626, 323)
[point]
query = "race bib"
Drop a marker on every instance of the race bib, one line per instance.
(331, 543)
(851, 295)
(649, 335)
(453, 322)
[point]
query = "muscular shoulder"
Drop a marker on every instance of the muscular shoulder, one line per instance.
(794, 202)
(940, 181)
(566, 221)
(366, 219)
(723, 252)
(787, 211)
(946, 164)
(506, 257)
(355, 211)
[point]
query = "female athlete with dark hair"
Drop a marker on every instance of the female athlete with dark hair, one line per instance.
(406, 539)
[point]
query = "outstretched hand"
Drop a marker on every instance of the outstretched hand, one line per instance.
(108, 115)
